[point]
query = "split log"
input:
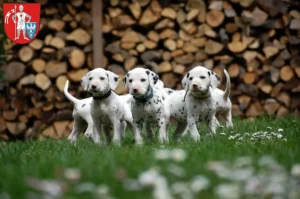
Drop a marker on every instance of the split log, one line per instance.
(214, 18)
(57, 42)
(38, 65)
(234, 70)
(148, 17)
(135, 9)
(169, 13)
(249, 78)
(164, 67)
(80, 36)
(54, 69)
(213, 47)
(36, 44)
(15, 128)
(56, 24)
(42, 81)
(76, 75)
(77, 58)
(26, 53)
(60, 82)
(286, 73)
(14, 71)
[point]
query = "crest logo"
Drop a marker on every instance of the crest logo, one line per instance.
(21, 21)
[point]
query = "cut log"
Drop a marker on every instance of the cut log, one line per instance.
(57, 42)
(167, 34)
(135, 9)
(130, 62)
(77, 58)
(148, 17)
(170, 44)
(192, 14)
(54, 68)
(154, 36)
(155, 6)
(282, 111)
(26, 80)
(128, 45)
(114, 12)
(61, 128)
(259, 17)
(60, 82)
(285, 98)
(26, 54)
(201, 56)
(179, 69)
(165, 23)
(36, 44)
(184, 59)
(177, 53)
(166, 56)
(189, 47)
(169, 13)
(48, 39)
(276, 89)
(181, 16)
(38, 65)
(16, 128)
(164, 67)
(131, 36)
(80, 36)
(213, 47)
(76, 75)
(254, 109)
(270, 51)
(14, 70)
(249, 78)
(169, 80)
(118, 57)
(150, 44)
(143, 2)
(214, 18)
(244, 101)
(271, 106)
(42, 81)
(77, 3)
(237, 46)
(231, 28)
(234, 70)
(9, 115)
(140, 48)
(56, 24)
(286, 73)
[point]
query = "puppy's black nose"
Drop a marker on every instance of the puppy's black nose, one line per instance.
(135, 90)
(93, 86)
(195, 86)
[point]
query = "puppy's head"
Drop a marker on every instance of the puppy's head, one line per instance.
(199, 79)
(138, 80)
(99, 81)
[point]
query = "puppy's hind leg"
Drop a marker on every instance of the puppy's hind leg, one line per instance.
(228, 118)
(149, 131)
(181, 126)
(78, 126)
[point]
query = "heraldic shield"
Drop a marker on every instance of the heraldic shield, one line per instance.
(21, 21)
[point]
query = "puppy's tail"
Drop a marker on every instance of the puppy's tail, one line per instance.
(68, 95)
(227, 89)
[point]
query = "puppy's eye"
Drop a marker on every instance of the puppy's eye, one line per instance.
(130, 81)
(143, 80)
(191, 78)
(102, 78)
(90, 78)
(202, 77)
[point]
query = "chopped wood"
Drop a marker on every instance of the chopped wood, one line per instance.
(215, 18)
(192, 14)
(169, 80)
(57, 42)
(271, 106)
(181, 16)
(155, 6)
(9, 115)
(200, 56)
(36, 44)
(164, 67)
(185, 59)
(114, 12)
(295, 24)
(244, 101)
(76, 75)
(131, 36)
(26, 53)
(166, 56)
(150, 44)
(77, 58)
(270, 51)
(167, 34)
(128, 45)
(233, 70)
(56, 24)
(80, 36)
(60, 82)
(140, 48)
(26, 80)
(286, 73)
(259, 17)
(154, 36)
(135, 9)
(189, 47)
(54, 68)
(130, 62)
(60, 128)
(249, 78)
(169, 13)
(254, 109)
(143, 2)
(179, 69)
(16, 128)
(38, 65)
(165, 23)
(246, 3)
(170, 44)
(148, 17)
(282, 111)
(213, 47)
(14, 71)
(285, 98)
(42, 81)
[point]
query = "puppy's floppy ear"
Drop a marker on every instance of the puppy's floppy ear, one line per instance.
(159, 85)
(152, 76)
(85, 81)
(125, 80)
(113, 79)
(215, 80)
(184, 81)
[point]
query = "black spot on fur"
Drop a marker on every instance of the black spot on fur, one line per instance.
(148, 72)
(195, 106)
(83, 105)
(187, 75)
(208, 73)
(116, 79)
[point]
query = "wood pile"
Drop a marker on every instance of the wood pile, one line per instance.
(258, 42)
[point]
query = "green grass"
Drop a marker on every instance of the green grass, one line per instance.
(99, 165)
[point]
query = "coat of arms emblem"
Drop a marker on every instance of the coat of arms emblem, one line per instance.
(21, 21)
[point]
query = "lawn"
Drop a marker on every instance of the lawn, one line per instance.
(255, 159)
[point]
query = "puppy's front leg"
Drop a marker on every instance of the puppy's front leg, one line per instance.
(162, 129)
(118, 130)
(137, 129)
(192, 125)
(212, 124)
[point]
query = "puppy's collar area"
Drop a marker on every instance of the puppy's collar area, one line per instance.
(103, 96)
(203, 95)
(145, 98)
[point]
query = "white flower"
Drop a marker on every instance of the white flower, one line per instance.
(102, 191)
(176, 170)
(223, 134)
(72, 174)
(85, 187)
(267, 161)
(253, 186)
(179, 188)
(162, 154)
(161, 190)
(231, 137)
(296, 170)
(243, 161)
(178, 155)
(199, 183)
(132, 185)
(228, 191)
(148, 178)
(279, 135)
(280, 130)
(268, 127)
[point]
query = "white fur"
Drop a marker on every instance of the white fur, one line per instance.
(140, 81)
(112, 111)
(82, 118)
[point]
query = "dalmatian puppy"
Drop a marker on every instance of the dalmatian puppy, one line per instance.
(199, 103)
(177, 107)
(82, 118)
(223, 103)
(147, 104)
(108, 110)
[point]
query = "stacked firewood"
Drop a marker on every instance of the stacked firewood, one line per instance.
(256, 41)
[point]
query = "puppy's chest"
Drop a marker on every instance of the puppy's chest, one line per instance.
(152, 106)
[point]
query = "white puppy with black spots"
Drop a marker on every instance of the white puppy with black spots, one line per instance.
(200, 105)
(177, 106)
(108, 109)
(83, 121)
(147, 104)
